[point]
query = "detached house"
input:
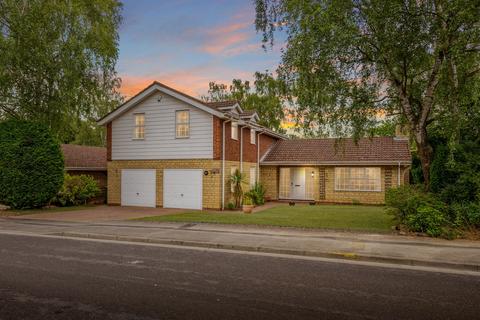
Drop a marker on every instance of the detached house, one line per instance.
(168, 149)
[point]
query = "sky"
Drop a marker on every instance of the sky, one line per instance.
(188, 43)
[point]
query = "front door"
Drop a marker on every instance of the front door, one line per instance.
(297, 186)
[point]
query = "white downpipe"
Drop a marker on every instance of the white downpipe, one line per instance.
(398, 176)
(258, 156)
(241, 149)
(223, 163)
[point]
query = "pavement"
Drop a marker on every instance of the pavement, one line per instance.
(51, 277)
(415, 251)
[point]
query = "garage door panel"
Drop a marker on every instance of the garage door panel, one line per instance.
(138, 187)
(182, 188)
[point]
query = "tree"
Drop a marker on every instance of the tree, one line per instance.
(31, 164)
(57, 62)
(265, 98)
(348, 60)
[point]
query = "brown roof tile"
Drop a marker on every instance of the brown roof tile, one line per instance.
(311, 151)
(220, 104)
(84, 157)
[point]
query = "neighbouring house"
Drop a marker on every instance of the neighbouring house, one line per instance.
(168, 149)
(87, 160)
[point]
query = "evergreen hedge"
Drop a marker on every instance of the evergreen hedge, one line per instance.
(31, 164)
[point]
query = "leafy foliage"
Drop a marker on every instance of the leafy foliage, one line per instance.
(404, 201)
(57, 64)
(31, 164)
(77, 189)
(426, 219)
(264, 97)
(237, 179)
(257, 194)
(347, 61)
(466, 214)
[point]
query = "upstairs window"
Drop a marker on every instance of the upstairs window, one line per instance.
(252, 136)
(235, 130)
(182, 124)
(139, 132)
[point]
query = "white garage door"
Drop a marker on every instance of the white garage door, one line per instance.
(182, 188)
(138, 187)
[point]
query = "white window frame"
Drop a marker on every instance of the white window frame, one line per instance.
(356, 179)
(186, 123)
(234, 130)
(253, 136)
(253, 176)
(138, 128)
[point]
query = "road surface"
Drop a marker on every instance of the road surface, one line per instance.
(55, 278)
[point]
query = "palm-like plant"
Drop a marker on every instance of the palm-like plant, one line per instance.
(236, 181)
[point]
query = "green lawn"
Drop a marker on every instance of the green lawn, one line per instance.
(41, 210)
(344, 217)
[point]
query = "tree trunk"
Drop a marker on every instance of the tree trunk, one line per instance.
(425, 152)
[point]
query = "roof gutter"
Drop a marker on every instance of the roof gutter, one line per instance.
(334, 163)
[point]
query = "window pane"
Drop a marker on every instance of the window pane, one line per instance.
(357, 179)
(252, 136)
(182, 124)
(234, 130)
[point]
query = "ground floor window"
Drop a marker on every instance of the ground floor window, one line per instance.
(358, 179)
(253, 176)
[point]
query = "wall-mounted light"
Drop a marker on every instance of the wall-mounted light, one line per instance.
(313, 173)
(159, 99)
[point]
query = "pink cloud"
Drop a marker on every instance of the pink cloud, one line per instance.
(192, 81)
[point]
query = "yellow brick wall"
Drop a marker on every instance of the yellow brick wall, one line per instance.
(269, 179)
(211, 182)
(366, 197)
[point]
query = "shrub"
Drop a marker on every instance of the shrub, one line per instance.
(466, 214)
(257, 193)
(77, 190)
(405, 200)
(426, 219)
(31, 164)
(236, 181)
(231, 206)
(247, 200)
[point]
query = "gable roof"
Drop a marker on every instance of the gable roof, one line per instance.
(377, 150)
(157, 87)
(220, 109)
(84, 158)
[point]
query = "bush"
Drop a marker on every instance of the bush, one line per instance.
(77, 190)
(466, 214)
(31, 164)
(426, 219)
(231, 206)
(257, 194)
(405, 201)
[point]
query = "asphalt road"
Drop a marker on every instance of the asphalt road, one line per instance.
(48, 278)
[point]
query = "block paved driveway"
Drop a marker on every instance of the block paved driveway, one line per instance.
(100, 213)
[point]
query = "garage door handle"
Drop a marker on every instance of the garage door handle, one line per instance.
(181, 194)
(297, 185)
(138, 194)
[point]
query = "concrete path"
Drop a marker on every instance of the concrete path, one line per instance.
(99, 213)
(463, 255)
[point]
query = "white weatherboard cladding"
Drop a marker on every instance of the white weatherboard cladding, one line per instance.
(160, 141)
(138, 187)
(182, 188)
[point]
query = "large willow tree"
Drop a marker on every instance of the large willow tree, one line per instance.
(346, 61)
(57, 62)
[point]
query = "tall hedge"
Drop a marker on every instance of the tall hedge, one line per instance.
(31, 164)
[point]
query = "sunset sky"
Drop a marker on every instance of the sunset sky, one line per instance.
(188, 43)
